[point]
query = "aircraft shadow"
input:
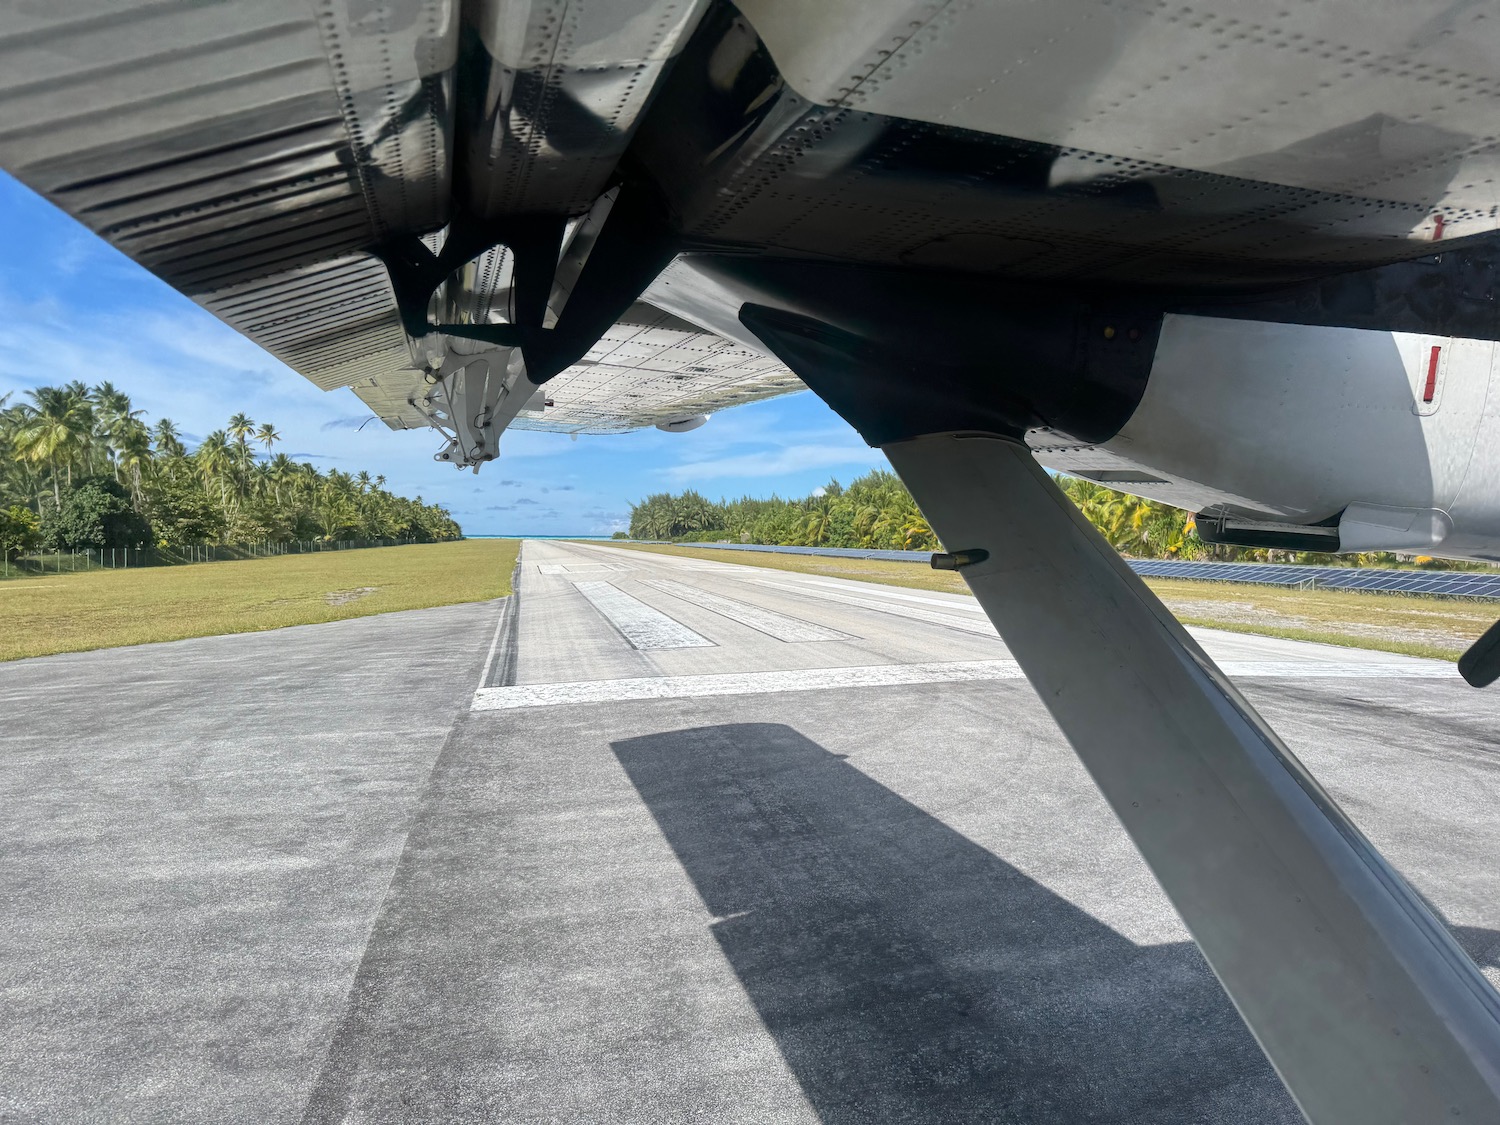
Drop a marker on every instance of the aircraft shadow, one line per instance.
(908, 974)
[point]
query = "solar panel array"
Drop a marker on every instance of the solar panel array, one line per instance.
(1441, 583)
(1446, 583)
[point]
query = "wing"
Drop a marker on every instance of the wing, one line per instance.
(256, 156)
(279, 161)
(649, 369)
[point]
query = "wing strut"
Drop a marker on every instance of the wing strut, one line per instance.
(1364, 1003)
(1366, 1006)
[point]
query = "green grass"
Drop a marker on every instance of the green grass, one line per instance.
(1415, 626)
(103, 608)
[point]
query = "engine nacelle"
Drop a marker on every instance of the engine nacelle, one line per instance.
(1312, 438)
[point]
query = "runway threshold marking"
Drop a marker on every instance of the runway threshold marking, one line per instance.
(981, 627)
(642, 625)
(767, 621)
(522, 696)
(740, 683)
(575, 568)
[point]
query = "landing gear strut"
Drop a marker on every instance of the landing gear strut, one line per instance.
(1363, 1002)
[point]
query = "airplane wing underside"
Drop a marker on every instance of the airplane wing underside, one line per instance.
(252, 155)
(258, 157)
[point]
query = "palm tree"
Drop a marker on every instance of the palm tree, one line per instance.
(168, 440)
(132, 456)
(54, 431)
(60, 429)
(113, 417)
(815, 530)
(918, 534)
(280, 470)
(241, 428)
(267, 436)
(215, 460)
(242, 464)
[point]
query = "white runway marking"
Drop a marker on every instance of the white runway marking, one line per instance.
(574, 568)
(489, 660)
(773, 624)
(967, 607)
(638, 623)
(740, 683)
(1333, 670)
(981, 627)
(882, 675)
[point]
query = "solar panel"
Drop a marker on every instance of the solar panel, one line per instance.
(1440, 583)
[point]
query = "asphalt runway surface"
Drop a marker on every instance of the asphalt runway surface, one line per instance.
(657, 840)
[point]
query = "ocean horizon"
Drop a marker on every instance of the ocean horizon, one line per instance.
(523, 536)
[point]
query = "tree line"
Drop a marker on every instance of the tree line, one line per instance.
(81, 468)
(877, 512)
(874, 511)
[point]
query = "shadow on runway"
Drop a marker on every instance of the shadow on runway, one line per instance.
(908, 974)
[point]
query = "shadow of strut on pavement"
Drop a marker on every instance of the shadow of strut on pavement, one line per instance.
(907, 973)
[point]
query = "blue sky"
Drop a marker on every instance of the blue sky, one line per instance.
(71, 307)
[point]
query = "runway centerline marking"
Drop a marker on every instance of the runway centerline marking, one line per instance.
(643, 626)
(767, 621)
(522, 696)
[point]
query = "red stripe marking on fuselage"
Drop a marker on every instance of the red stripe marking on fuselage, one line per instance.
(1432, 361)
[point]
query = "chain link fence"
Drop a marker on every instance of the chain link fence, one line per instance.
(124, 558)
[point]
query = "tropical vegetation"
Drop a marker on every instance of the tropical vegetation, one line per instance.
(877, 512)
(874, 511)
(80, 467)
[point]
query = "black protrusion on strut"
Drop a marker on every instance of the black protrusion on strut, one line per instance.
(1480, 666)
(957, 560)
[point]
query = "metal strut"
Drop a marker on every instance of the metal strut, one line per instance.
(471, 399)
(1364, 1003)
(476, 395)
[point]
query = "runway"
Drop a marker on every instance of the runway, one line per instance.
(659, 839)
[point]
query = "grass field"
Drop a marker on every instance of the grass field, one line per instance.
(105, 608)
(1415, 626)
